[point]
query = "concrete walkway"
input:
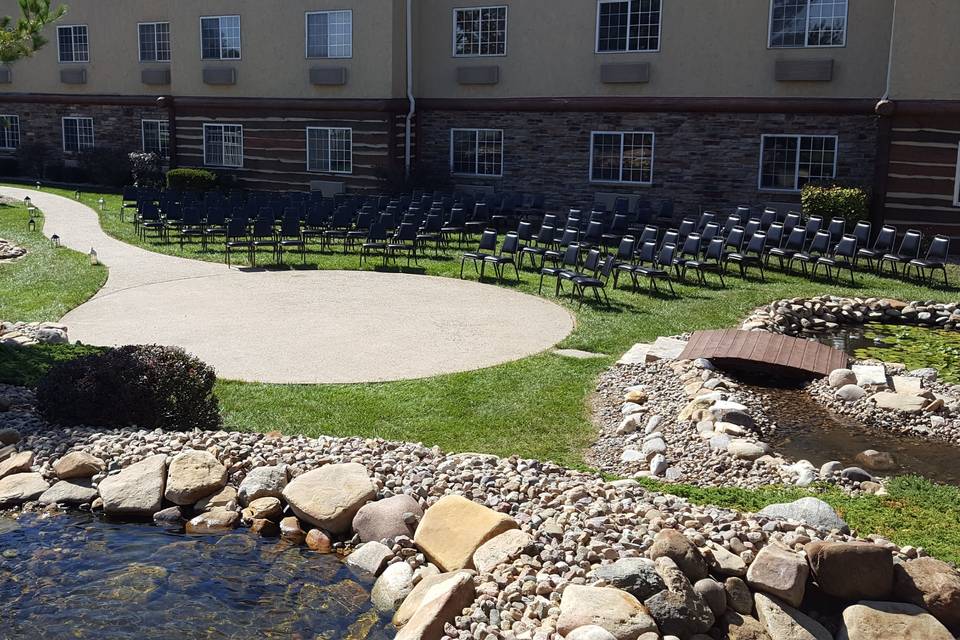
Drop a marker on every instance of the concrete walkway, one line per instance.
(297, 326)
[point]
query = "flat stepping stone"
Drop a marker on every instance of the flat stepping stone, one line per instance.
(900, 402)
(636, 355)
(577, 354)
(869, 374)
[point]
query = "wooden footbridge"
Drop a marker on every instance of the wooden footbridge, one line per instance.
(769, 350)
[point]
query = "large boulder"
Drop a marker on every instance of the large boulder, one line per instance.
(871, 620)
(877, 460)
(329, 497)
(194, 475)
(636, 576)
(672, 544)
(439, 604)
(21, 487)
(387, 518)
(262, 482)
(780, 573)
(933, 585)
(454, 528)
(70, 492)
(78, 464)
(413, 601)
(851, 570)
(809, 510)
(136, 491)
(679, 609)
(783, 622)
(393, 585)
(17, 463)
(612, 609)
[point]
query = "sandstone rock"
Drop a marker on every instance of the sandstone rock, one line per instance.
(850, 393)
(439, 604)
(616, 611)
(876, 460)
(841, 378)
(214, 521)
(78, 464)
(636, 576)
(851, 570)
(871, 620)
(21, 487)
(329, 497)
(869, 374)
(69, 492)
(672, 544)
(319, 541)
(291, 530)
(810, 510)
(263, 482)
(17, 463)
(386, 518)
(900, 402)
(910, 385)
(413, 601)
(393, 585)
(264, 528)
(779, 572)
(171, 516)
(739, 597)
(370, 557)
(194, 475)
(263, 509)
(502, 549)
(747, 449)
(723, 562)
(933, 585)
(226, 498)
(783, 622)
(678, 610)
(454, 528)
(590, 632)
(636, 396)
(744, 627)
(713, 594)
(136, 490)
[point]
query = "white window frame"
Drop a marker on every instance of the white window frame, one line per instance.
(796, 174)
(60, 59)
(306, 33)
(956, 183)
(5, 121)
(63, 134)
(143, 136)
(653, 153)
(806, 32)
(476, 152)
(221, 126)
(506, 31)
(220, 40)
(155, 48)
(329, 131)
(596, 33)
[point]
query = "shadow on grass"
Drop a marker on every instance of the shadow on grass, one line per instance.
(24, 366)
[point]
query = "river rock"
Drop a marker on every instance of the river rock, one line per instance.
(17, 463)
(871, 620)
(69, 492)
(78, 464)
(672, 544)
(262, 482)
(214, 521)
(291, 530)
(194, 475)
(137, 490)
(783, 622)
(393, 585)
(21, 487)
(387, 518)
(841, 378)
(264, 528)
(851, 570)
(616, 611)
(876, 460)
(900, 402)
(454, 528)
(856, 474)
(329, 497)
(870, 374)
(503, 549)
(171, 516)
(678, 610)
(439, 605)
(636, 576)
(370, 557)
(747, 449)
(738, 626)
(8, 436)
(779, 572)
(713, 594)
(590, 632)
(738, 595)
(263, 509)
(413, 601)
(226, 498)
(810, 510)
(723, 562)
(931, 584)
(318, 541)
(850, 393)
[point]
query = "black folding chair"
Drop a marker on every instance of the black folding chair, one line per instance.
(881, 246)
(660, 270)
(840, 258)
(506, 256)
(376, 242)
(488, 244)
(752, 256)
(819, 247)
(291, 237)
(935, 260)
(596, 283)
(569, 263)
(709, 263)
(909, 250)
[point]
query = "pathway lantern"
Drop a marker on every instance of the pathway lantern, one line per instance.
(32, 224)
(76, 194)
(55, 240)
(38, 185)
(27, 201)
(94, 260)
(102, 203)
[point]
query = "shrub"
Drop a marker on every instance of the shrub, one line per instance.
(145, 169)
(850, 203)
(147, 386)
(191, 179)
(104, 166)
(33, 157)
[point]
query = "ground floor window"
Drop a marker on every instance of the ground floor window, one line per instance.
(9, 132)
(223, 145)
(329, 150)
(77, 134)
(476, 152)
(618, 156)
(156, 137)
(787, 162)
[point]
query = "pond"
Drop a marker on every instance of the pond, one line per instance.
(76, 576)
(916, 347)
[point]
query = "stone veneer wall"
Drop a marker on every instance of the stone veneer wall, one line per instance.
(700, 159)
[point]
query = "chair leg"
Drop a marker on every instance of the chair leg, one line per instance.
(540, 288)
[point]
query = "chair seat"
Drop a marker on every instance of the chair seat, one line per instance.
(291, 243)
(804, 257)
(700, 265)
(651, 272)
(896, 257)
(833, 262)
(926, 264)
(498, 259)
(374, 245)
(742, 257)
(588, 281)
(476, 255)
(538, 251)
(868, 253)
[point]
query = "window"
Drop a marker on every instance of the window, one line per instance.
(330, 34)
(73, 43)
(956, 185)
(220, 38)
(628, 25)
(808, 23)
(9, 132)
(154, 42)
(621, 157)
(223, 145)
(77, 134)
(789, 162)
(156, 137)
(481, 31)
(329, 150)
(476, 152)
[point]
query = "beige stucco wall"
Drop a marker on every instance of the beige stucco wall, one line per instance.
(926, 60)
(708, 48)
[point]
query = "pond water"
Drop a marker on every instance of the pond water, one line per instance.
(75, 576)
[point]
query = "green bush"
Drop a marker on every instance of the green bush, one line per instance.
(191, 179)
(850, 203)
(145, 386)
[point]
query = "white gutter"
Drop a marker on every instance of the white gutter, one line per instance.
(408, 132)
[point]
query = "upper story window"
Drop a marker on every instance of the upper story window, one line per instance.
(628, 25)
(154, 41)
(617, 156)
(480, 31)
(329, 150)
(156, 137)
(330, 34)
(476, 152)
(9, 132)
(73, 44)
(808, 23)
(788, 162)
(220, 38)
(223, 145)
(77, 134)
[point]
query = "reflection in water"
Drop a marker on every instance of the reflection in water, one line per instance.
(73, 576)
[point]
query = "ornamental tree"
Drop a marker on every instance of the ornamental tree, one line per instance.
(20, 38)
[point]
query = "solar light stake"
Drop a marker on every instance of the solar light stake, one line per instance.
(94, 260)
(76, 194)
(32, 224)
(38, 185)
(55, 240)
(102, 203)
